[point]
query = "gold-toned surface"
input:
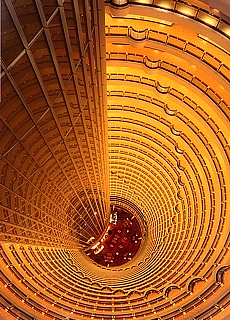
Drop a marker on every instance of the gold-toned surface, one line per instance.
(164, 153)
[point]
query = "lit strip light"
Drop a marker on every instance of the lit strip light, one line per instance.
(211, 42)
(147, 19)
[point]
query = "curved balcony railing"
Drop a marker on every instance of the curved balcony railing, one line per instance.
(176, 42)
(180, 7)
(187, 76)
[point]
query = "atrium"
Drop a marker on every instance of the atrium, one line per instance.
(115, 160)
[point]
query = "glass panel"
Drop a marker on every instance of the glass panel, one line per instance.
(137, 35)
(207, 18)
(211, 60)
(184, 74)
(136, 57)
(118, 56)
(213, 96)
(157, 36)
(186, 9)
(199, 84)
(168, 66)
(202, 113)
(176, 42)
(225, 71)
(151, 64)
(119, 30)
(224, 27)
(167, 4)
(194, 50)
(190, 102)
(225, 108)
(176, 93)
(149, 2)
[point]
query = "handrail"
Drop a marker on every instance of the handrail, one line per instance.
(176, 42)
(185, 75)
(180, 7)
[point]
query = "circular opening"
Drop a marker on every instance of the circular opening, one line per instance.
(121, 240)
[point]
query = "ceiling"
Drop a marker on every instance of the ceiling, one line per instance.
(124, 103)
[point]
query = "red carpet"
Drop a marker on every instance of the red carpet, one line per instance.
(121, 241)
